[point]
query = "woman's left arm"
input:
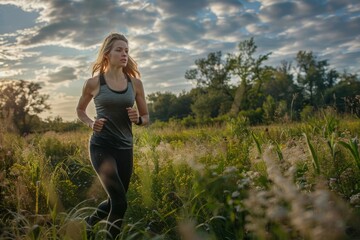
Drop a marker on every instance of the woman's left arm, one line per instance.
(141, 103)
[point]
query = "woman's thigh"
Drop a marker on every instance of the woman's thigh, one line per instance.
(113, 166)
(124, 164)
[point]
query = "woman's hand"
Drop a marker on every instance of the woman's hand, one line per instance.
(98, 124)
(133, 114)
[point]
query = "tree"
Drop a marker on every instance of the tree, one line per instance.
(248, 69)
(313, 76)
(211, 104)
(163, 106)
(269, 108)
(213, 93)
(344, 96)
(182, 105)
(332, 78)
(281, 86)
(21, 102)
(160, 105)
(211, 72)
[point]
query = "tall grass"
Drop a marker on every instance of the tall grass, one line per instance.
(294, 181)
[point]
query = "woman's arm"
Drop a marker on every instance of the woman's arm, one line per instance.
(141, 103)
(84, 101)
(91, 87)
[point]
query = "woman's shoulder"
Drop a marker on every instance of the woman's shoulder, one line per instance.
(93, 82)
(91, 85)
(137, 84)
(135, 81)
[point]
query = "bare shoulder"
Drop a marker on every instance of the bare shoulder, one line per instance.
(137, 82)
(93, 82)
(91, 86)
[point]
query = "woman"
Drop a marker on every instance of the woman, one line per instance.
(114, 89)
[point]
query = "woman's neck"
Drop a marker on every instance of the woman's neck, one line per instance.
(115, 74)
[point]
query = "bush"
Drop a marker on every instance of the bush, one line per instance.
(254, 116)
(307, 113)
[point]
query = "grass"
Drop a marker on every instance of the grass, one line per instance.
(289, 181)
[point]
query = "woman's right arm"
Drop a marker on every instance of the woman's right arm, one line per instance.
(85, 98)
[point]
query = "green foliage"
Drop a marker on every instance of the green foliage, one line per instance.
(211, 104)
(254, 116)
(282, 95)
(57, 124)
(269, 107)
(21, 102)
(314, 156)
(165, 106)
(251, 75)
(307, 112)
(238, 126)
(161, 105)
(279, 84)
(312, 76)
(343, 96)
(353, 147)
(257, 142)
(203, 182)
(212, 72)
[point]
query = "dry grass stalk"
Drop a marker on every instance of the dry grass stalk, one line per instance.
(316, 215)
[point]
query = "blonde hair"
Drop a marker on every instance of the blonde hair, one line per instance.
(102, 62)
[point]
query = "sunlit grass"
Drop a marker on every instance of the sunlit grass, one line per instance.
(289, 181)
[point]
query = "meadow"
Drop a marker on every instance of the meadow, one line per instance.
(224, 180)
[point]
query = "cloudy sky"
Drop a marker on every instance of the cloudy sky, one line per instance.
(54, 42)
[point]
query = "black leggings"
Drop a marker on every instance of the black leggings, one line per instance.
(114, 169)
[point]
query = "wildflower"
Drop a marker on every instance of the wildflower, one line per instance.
(230, 169)
(235, 194)
(355, 199)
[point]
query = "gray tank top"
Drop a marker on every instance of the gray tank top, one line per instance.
(111, 104)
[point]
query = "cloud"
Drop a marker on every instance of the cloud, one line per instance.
(338, 5)
(10, 74)
(287, 27)
(226, 8)
(83, 24)
(166, 37)
(59, 74)
(11, 52)
(228, 26)
(173, 31)
(165, 65)
(26, 5)
(184, 8)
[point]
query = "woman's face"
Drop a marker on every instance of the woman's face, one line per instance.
(118, 56)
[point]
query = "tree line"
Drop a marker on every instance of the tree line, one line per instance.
(21, 102)
(264, 94)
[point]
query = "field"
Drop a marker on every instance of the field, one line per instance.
(224, 181)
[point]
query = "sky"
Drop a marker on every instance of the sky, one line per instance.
(54, 42)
